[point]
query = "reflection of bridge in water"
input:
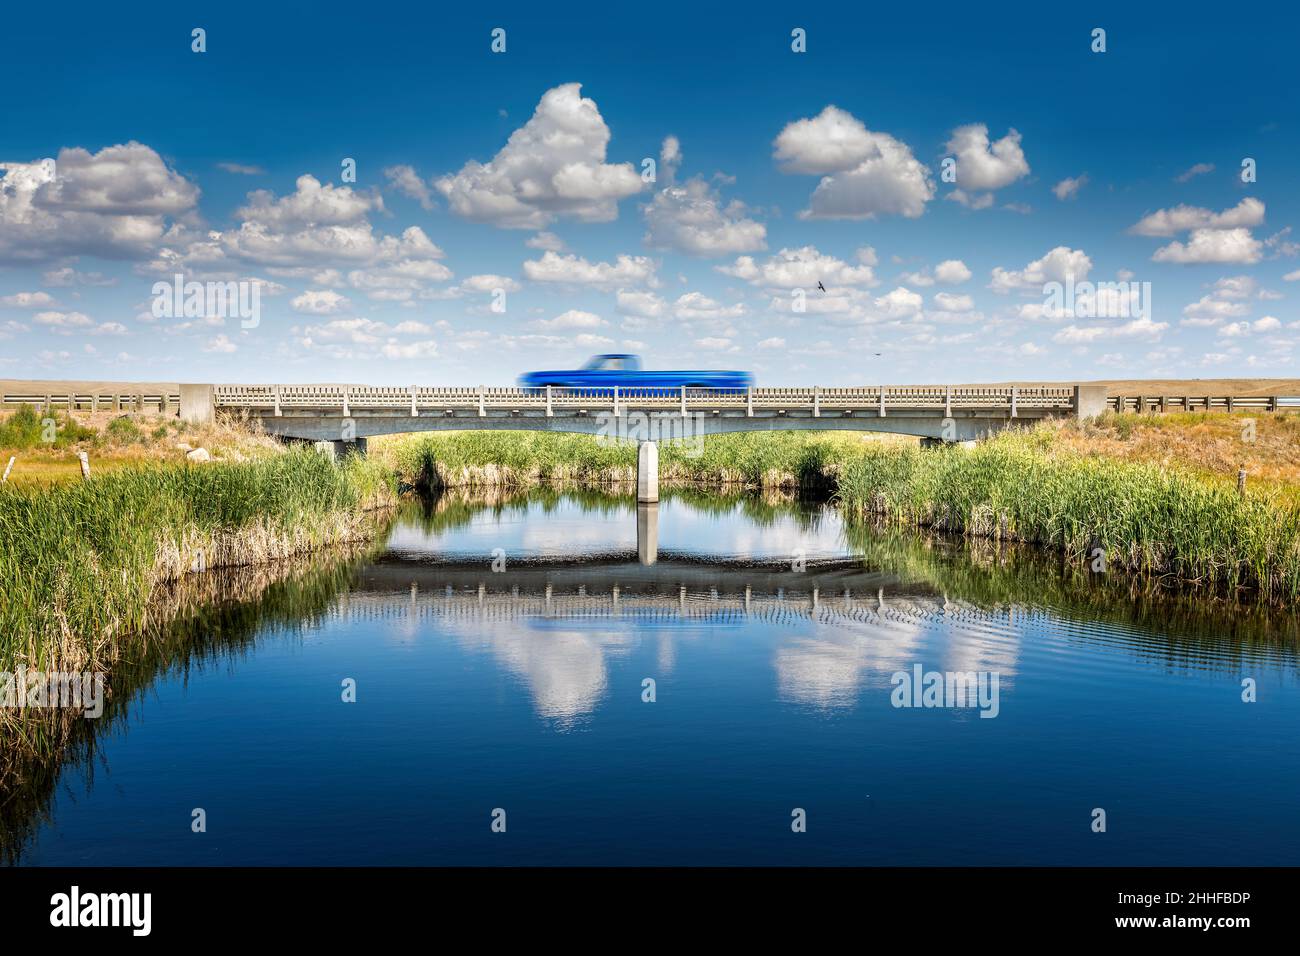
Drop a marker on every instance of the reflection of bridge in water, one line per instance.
(678, 588)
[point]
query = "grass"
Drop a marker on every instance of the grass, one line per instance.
(1145, 517)
(515, 459)
(80, 562)
(45, 455)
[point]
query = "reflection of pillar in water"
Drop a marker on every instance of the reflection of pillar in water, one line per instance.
(647, 533)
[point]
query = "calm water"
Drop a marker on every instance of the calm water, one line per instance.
(771, 632)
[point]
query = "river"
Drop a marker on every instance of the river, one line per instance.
(716, 680)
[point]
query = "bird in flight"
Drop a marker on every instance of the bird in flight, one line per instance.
(820, 286)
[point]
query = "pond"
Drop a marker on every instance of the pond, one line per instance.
(560, 677)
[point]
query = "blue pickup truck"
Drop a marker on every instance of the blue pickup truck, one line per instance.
(625, 371)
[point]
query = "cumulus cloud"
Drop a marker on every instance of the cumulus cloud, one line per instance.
(697, 306)
(952, 272)
(554, 165)
(1236, 246)
(573, 269)
(950, 302)
(799, 268)
(319, 302)
(1059, 265)
(865, 174)
(1169, 222)
(984, 166)
(693, 218)
(1140, 328)
(546, 241)
(117, 204)
(241, 169)
(362, 338)
(28, 300)
(642, 305)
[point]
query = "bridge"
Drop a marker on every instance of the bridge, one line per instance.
(321, 412)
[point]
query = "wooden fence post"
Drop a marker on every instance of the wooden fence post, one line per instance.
(8, 468)
(85, 465)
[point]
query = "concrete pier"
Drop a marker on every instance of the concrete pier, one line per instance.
(647, 472)
(647, 533)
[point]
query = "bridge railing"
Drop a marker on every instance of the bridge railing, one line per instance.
(95, 401)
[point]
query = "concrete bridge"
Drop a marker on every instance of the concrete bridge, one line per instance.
(327, 412)
(346, 415)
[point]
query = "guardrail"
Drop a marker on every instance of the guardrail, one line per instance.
(96, 401)
(286, 399)
(1203, 403)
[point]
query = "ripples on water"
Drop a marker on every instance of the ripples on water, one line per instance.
(772, 632)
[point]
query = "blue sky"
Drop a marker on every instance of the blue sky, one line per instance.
(514, 181)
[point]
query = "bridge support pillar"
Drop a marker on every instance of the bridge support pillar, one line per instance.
(647, 532)
(647, 472)
(339, 449)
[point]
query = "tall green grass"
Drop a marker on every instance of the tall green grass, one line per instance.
(513, 459)
(1143, 517)
(79, 561)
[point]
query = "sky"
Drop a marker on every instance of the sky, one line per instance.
(892, 204)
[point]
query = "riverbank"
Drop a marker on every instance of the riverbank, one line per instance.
(1153, 496)
(82, 563)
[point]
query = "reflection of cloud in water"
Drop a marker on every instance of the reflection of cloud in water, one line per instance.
(829, 669)
(564, 670)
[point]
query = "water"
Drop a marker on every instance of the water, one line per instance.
(772, 632)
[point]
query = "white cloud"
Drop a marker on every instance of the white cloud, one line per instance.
(28, 300)
(692, 218)
(864, 174)
(1057, 266)
(115, 204)
(1069, 187)
(983, 166)
(625, 270)
(1292, 276)
(697, 306)
(1142, 328)
(1236, 246)
(573, 319)
(546, 241)
(775, 342)
(949, 302)
(952, 271)
(63, 320)
(408, 182)
(799, 268)
(1198, 169)
(319, 302)
(1169, 222)
(220, 343)
(554, 165)
(645, 305)
(240, 169)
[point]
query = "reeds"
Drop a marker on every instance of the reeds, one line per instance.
(79, 562)
(1134, 516)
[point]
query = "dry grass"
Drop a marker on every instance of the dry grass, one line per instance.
(143, 439)
(1211, 446)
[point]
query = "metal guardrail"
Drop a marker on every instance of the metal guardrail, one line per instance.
(96, 401)
(285, 399)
